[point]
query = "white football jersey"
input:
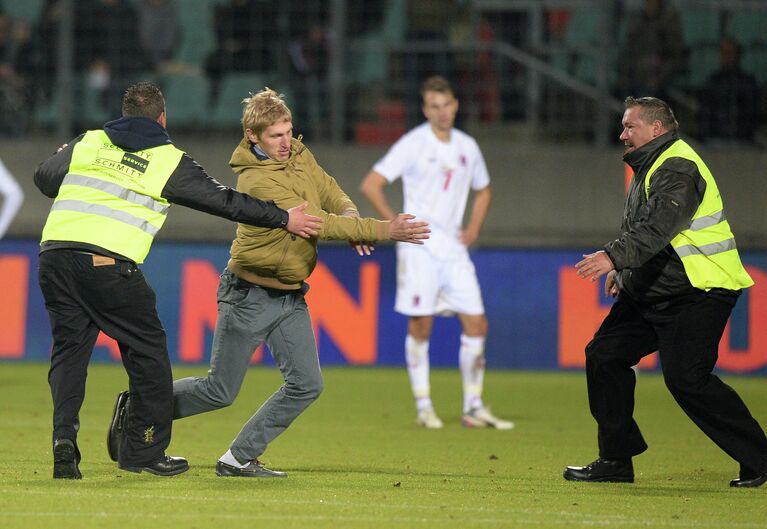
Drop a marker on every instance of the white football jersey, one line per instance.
(436, 179)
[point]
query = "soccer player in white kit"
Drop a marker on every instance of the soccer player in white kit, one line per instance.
(439, 165)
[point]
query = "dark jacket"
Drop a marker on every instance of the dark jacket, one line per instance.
(649, 270)
(189, 185)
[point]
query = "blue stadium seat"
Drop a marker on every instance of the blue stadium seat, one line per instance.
(187, 99)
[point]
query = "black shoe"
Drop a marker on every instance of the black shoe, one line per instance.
(603, 470)
(114, 435)
(164, 466)
(65, 460)
(255, 469)
(749, 478)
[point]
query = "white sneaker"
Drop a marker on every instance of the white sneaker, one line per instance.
(428, 419)
(482, 418)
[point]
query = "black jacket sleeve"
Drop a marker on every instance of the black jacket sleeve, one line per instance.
(50, 173)
(676, 191)
(191, 186)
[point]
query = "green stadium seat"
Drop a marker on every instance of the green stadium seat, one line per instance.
(27, 10)
(88, 108)
(754, 61)
(584, 27)
(235, 87)
(89, 105)
(582, 38)
(702, 61)
(46, 114)
(700, 26)
(748, 27)
(198, 38)
(367, 64)
(187, 98)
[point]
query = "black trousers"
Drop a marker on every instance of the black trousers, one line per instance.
(84, 296)
(686, 334)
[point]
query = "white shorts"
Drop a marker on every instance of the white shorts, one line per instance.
(428, 286)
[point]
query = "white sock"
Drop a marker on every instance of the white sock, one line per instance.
(230, 460)
(417, 357)
(471, 358)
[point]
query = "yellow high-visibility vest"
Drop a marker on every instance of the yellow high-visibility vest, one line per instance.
(111, 198)
(707, 246)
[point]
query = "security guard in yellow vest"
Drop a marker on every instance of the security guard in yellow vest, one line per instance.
(676, 273)
(112, 190)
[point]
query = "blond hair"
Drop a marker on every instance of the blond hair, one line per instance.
(263, 109)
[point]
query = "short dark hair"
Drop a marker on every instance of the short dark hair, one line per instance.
(653, 109)
(436, 83)
(143, 100)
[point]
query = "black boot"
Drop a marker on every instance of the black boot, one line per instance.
(66, 456)
(603, 470)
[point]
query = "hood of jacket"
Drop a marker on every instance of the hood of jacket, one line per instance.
(136, 134)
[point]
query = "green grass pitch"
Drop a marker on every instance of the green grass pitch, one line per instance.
(355, 459)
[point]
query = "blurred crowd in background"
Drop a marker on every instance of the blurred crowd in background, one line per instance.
(513, 62)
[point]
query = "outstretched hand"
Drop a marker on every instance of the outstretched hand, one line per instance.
(404, 229)
(303, 224)
(594, 265)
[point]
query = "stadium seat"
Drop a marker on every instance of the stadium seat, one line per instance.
(235, 87)
(582, 39)
(584, 27)
(46, 113)
(702, 61)
(187, 99)
(198, 37)
(90, 105)
(748, 27)
(27, 10)
(754, 61)
(700, 26)
(368, 61)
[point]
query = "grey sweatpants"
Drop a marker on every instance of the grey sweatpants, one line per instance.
(249, 315)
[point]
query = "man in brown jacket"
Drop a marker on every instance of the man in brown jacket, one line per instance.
(261, 292)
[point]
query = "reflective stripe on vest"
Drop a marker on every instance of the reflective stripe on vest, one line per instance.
(112, 198)
(104, 211)
(707, 247)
